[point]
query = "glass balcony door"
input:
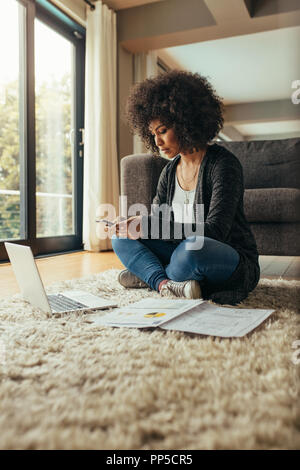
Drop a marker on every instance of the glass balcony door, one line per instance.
(41, 124)
(12, 120)
(55, 127)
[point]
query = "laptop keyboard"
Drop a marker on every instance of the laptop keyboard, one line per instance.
(60, 303)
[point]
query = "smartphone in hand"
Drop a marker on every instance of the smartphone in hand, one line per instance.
(106, 222)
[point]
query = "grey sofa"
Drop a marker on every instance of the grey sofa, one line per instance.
(272, 189)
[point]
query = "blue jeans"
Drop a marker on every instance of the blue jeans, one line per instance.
(156, 260)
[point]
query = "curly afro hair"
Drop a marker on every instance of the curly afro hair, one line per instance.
(181, 100)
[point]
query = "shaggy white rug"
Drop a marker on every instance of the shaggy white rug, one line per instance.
(68, 384)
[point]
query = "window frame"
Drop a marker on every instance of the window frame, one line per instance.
(66, 27)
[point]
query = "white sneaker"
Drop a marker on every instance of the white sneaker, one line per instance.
(187, 289)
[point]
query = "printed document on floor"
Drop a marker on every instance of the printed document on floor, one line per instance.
(148, 312)
(191, 316)
(227, 322)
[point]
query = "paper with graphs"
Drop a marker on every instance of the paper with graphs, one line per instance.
(192, 316)
(147, 312)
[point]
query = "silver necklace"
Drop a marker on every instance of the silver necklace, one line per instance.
(186, 193)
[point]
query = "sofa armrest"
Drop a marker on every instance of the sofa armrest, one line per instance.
(139, 178)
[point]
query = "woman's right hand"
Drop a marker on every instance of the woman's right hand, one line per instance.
(126, 227)
(114, 223)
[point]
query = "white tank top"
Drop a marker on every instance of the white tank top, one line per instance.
(182, 204)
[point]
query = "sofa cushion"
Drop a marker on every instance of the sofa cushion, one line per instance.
(272, 205)
(268, 163)
(277, 239)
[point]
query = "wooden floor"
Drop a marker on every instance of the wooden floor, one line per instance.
(84, 263)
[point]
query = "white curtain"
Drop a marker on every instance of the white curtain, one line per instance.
(101, 178)
(145, 66)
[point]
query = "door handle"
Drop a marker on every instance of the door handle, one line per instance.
(81, 143)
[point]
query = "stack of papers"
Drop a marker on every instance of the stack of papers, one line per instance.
(192, 316)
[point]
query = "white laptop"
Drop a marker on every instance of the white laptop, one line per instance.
(33, 290)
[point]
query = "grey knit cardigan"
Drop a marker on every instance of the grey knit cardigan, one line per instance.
(220, 190)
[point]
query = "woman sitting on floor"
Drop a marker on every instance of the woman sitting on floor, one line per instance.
(214, 257)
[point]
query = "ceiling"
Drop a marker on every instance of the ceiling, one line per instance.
(255, 68)
(268, 128)
(248, 68)
(123, 4)
(251, 59)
